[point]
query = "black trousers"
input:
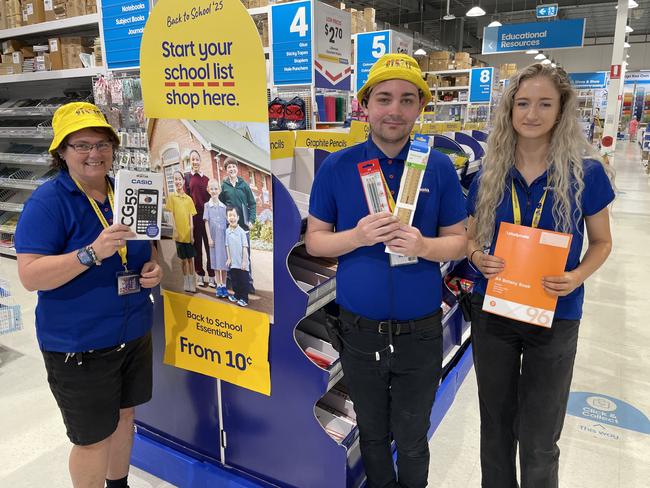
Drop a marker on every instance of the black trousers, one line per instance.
(393, 395)
(524, 374)
(200, 243)
(239, 283)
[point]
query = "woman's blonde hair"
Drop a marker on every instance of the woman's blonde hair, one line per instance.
(568, 147)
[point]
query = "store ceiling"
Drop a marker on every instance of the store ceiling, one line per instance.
(600, 15)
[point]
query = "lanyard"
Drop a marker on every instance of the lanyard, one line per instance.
(516, 210)
(109, 191)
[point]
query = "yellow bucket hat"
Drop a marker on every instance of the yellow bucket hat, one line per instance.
(75, 116)
(395, 67)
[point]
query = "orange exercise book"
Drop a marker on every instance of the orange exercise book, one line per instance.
(530, 254)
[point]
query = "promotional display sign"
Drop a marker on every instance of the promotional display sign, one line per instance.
(217, 340)
(546, 11)
(558, 34)
(593, 80)
(530, 254)
(637, 77)
(204, 88)
(359, 131)
(333, 49)
(480, 85)
(283, 143)
(369, 47)
(291, 41)
(123, 24)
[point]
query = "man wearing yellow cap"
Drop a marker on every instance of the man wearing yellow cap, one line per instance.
(390, 323)
(94, 313)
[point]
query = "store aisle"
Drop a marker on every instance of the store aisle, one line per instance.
(612, 361)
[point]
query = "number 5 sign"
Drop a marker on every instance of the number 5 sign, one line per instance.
(291, 38)
(480, 85)
(369, 47)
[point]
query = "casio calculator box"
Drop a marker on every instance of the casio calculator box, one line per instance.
(138, 202)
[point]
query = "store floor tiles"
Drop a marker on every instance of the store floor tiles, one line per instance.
(612, 360)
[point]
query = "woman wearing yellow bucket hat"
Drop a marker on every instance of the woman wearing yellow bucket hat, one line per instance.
(94, 313)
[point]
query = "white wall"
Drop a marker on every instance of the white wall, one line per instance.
(588, 58)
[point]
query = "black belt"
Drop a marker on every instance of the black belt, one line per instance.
(390, 327)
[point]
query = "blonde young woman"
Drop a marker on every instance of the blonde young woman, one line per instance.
(538, 151)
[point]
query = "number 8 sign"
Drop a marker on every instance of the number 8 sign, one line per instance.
(480, 85)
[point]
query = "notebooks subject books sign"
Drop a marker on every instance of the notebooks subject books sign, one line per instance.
(530, 254)
(138, 202)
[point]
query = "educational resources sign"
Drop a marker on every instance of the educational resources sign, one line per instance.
(559, 34)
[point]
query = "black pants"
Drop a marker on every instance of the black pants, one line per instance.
(200, 243)
(524, 375)
(239, 283)
(394, 395)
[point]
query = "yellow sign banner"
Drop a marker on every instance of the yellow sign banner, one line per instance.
(326, 141)
(218, 340)
(201, 60)
(282, 144)
(359, 131)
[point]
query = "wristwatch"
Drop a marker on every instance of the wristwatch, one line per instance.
(87, 257)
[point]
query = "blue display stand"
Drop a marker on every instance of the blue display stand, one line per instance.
(276, 440)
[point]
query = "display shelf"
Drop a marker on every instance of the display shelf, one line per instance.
(449, 88)
(27, 112)
(25, 159)
(26, 132)
(61, 74)
(53, 26)
(11, 207)
(330, 123)
(449, 72)
(450, 103)
(19, 184)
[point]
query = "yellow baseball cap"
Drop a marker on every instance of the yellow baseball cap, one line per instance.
(395, 67)
(75, 116)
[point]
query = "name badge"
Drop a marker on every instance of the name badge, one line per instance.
(399, 260)
(128, 282)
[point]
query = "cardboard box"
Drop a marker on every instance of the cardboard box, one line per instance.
(7, 69)
(48, 7)
(445, 55)
(11, 45)
(56, 53)
(423, 62)
(33, 11)
(461, 56)
(438, 64)
(74, 8)
(3, 15)
(42, 62)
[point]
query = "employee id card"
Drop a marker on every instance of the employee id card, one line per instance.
(128, 282)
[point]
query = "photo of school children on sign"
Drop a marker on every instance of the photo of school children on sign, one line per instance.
(218, 220)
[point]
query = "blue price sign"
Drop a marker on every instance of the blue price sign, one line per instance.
(546, 11)
(558, 34)
(123, 24)
(369, 48)
(480, 85)
(291, 28)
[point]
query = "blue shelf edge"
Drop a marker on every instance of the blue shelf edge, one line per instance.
(183, 471)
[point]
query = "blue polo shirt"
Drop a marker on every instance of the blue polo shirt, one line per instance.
(86, 313)
(366, 284)
(598, 193)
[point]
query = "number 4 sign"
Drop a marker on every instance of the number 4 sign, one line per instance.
(291, 35)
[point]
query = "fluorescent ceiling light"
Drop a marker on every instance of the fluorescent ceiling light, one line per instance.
(449, 17)
(631, 4)
(495, 23)
(626, 45)
(420, 52)
(546, 61)
(540, 56)
(475, 12)
(532, 51)
(628, 29)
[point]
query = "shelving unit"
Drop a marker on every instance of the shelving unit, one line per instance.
(62, 74)
(52, 27)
